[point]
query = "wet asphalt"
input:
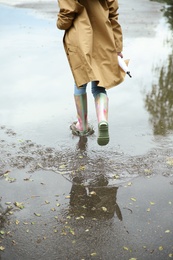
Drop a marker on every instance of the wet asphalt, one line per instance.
(62, 197)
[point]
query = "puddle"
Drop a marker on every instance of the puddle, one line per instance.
(82, 201)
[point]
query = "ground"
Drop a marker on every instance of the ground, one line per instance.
(68, 198)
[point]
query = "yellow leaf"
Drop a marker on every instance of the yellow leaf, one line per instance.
(160, 248)
(72, 232)
(133, 199)
(63, 166)
(93, 254)
(147, 171)
(125, 248)
(7, 203)
(152, 203)
(104, 209)
(170, 161)
(19, 205)
(116, 176)
(2, 248)
(17, 222)
(92, 193)
(148, 210)
(37, 214)
(82, 168)
(167, 231)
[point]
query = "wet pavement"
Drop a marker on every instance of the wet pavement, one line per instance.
(65, 198)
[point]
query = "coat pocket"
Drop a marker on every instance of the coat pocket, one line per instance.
(74, 56)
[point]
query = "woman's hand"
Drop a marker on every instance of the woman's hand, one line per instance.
(120, 54)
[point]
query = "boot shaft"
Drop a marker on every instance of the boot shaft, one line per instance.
(82, 110)
(101, 104)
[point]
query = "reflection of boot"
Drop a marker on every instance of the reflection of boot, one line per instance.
(101, 103)
(82, 144)
(81, 127)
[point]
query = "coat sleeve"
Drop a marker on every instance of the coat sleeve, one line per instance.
(116, 27)
(67, 13)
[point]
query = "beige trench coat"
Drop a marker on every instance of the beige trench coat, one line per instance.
(92, 39)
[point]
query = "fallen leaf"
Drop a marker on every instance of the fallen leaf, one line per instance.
(63, 166)
(82, 168)
(7, 203)
(17, 222)
(37, 214)
(92, 193)
(104, 209)
(170, 161)
(9, 179)
(125, 248)
(133, 199)
(148, 171)
(2, 248)
(160, 248)
(167, 231)
(72, 232)
(93, 254)
(152, 203)
(116, 176)
(19, 205)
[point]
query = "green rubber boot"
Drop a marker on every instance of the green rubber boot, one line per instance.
(101, 103)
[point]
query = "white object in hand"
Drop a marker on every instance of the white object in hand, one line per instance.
(123, 65)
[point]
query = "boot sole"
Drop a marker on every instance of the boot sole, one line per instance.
(103, 138)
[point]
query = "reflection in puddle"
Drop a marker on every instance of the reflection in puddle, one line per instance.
(96, 200)
(159, 100)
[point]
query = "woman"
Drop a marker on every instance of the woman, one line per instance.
(92, 41)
